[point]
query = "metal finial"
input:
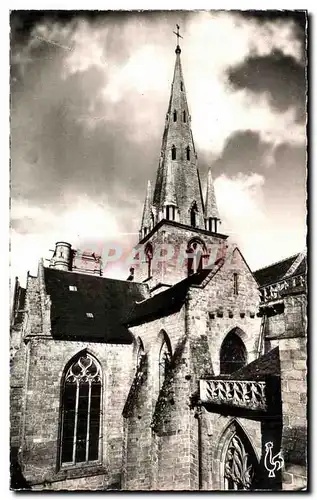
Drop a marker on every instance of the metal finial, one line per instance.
(178, 49)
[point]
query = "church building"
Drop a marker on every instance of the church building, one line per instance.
(189, 375)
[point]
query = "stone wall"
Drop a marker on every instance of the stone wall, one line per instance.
(175, 441)
(293, 359)
(17, 388)
(213, 431)
(161, 429)
(287, 330)
(215, 310)
(40, 425)
(174, 268)
(291, 322)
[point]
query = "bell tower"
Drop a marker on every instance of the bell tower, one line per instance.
(175, 220)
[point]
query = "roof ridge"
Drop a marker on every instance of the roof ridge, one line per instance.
(277, 262)
(74, 273)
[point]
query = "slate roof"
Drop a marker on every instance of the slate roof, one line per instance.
(107, 299)
(271, 274)
(268, 364)
(302, 268)
(166, 302)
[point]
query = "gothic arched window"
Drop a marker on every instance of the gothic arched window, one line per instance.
(240, 463)
(170, 212)
(149, 256)
(182, 87)
(81, 411)
(164, 360)
(175, 115)
(195, 250)
(184, 116)
(193, 215)
(173, 152)
(188, 153)
(233, 354)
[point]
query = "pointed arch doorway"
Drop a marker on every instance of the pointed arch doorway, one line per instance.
(239, 461)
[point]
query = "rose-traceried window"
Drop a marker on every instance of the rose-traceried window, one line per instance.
(81, 411)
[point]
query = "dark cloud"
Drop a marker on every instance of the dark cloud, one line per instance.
(281, 76)
(289, 176)
(244, 152)
(298, 17)
(283, 168)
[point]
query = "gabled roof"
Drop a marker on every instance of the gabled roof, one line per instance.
(160, 305)
(301, 269)
(172, 299)
(268, 364)
(166, 302)
(275, 272)
(106, 299)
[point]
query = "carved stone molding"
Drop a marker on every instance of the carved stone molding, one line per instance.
(239, 393)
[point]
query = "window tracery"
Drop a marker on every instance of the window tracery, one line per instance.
(81, 410)
(239, 464)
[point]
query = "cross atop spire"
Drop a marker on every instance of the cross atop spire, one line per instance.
(177, 187)
(178, 49)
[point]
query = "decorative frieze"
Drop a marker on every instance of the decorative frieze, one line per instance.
(239, 393)
(278, 290)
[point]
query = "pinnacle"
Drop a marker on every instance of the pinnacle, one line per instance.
(211, 209)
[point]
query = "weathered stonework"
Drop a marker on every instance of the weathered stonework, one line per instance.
(159, 430)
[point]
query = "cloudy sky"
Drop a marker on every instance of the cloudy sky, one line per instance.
(89, 93)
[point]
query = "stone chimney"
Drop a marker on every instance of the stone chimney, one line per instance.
(62, 257)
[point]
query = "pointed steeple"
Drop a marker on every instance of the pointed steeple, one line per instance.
(147, 217)
(178, 159)
(211, 209)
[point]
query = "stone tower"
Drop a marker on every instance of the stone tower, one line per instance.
(62, 257)
(178, 233)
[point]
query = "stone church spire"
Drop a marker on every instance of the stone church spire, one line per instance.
(147, 217)
(211, 210)
(177, 170)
